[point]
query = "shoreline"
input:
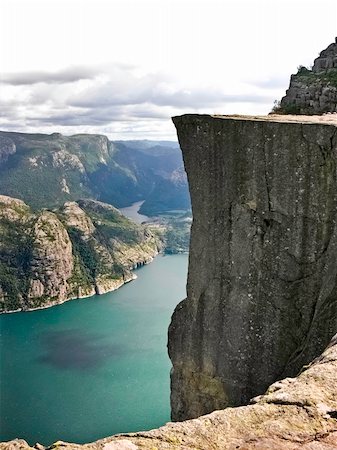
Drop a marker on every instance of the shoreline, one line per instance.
(134, 277)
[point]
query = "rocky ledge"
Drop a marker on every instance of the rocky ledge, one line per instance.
(294, 414)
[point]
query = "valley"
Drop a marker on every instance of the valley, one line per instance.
(62, 236)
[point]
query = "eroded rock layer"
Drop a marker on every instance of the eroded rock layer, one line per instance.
(262, 283)
(294, 414)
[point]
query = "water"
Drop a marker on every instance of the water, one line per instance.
(132, 212)
(93, 367)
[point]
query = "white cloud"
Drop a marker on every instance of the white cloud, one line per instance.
(126, 66)
(111, 94)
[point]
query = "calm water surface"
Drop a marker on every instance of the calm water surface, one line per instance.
(132, 212)
(93, 367)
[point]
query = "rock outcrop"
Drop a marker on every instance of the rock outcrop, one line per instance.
(294, 414)
(262, 282)
(313, 91)
(83, 248)
(51, 262)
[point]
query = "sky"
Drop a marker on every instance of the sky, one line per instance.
(124, 67)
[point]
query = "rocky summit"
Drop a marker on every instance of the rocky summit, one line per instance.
(262, 282)
(294, 414)
(313, 91)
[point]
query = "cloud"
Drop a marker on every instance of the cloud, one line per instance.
(274, 82)
(68, 75)
(97, 97)
(126, 88)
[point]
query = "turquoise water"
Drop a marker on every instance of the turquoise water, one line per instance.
(93, 367)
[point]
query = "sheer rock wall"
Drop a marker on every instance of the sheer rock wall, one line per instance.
(262, 283)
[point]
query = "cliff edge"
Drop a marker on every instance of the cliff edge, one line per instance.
(294, 414)
(262, 282)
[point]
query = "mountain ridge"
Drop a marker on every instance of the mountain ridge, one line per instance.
(48, 170)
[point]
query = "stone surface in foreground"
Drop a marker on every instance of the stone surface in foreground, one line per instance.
(295, 413)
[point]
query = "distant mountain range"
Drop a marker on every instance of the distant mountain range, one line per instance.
(56, 246)
(46, 171)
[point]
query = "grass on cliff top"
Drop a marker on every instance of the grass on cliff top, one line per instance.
(328, 77)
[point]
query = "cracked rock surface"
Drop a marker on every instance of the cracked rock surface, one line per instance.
(262, 283)
(294, 414)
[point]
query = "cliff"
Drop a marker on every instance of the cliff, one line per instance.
(313, 91)
(262, 282)
(83, 248)
(294, 414)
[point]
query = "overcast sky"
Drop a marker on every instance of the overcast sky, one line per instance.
(124, 67)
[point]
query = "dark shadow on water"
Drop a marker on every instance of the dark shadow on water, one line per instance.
(74, 349)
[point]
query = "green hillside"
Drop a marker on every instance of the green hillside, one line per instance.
(48, 170)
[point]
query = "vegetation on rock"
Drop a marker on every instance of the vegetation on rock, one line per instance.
(312, 91)
(48, 170)
(77, 250)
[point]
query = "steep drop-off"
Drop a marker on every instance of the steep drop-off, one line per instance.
(84, 248)
(294, 414)
(262, 283)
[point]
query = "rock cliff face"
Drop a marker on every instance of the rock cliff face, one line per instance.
(51, 263)
(262, 283)
(313, 91)
(294, 414)
(83, 248)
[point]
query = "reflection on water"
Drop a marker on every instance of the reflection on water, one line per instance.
(132, 212)
(74, 349)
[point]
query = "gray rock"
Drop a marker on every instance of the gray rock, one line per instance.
(262, 287)
(313, 91)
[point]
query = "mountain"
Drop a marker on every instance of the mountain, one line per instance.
(77, 250)
(152, 147)
(48, 170)
(313, 90)
(169, 193)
